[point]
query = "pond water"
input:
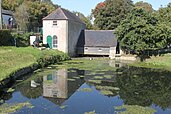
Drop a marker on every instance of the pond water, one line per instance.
(96, 87)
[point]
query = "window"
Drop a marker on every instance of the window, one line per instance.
(54, 23)
(55, 41)
(100, 49)
(86, 49)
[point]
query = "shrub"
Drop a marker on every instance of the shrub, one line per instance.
(6, 38)
(22, 39)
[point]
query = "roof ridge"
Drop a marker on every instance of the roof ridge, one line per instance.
(63, 12)
(51, 13)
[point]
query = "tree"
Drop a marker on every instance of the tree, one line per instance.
(22, 17)
(141, 31)
(97, 9)
(34, 9)
(47, 1)
(144, 5)
(109, 14)
(10, 4)
(37, 11)
(164, 15)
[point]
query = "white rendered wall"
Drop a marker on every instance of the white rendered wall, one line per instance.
(60, 30)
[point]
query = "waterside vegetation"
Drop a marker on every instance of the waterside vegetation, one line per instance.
(13, 59)
(157, 62)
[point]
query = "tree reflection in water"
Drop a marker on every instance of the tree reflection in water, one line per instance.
(144, 87)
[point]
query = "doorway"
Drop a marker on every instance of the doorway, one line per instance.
(49, 41)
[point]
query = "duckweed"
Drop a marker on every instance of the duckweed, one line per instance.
(134, 109)
(106, 92)
(69, 79)
(10, 90)
(48, 81)
(11, 108)
(107, 76)
(107, 88)
(72, 71)
(95, 81)
(92, 112)
(82, 76)
(98, 77)
(76, 77)
(85, 90)
(63, 106)
(83, 64)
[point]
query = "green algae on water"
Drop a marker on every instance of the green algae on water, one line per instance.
(10, 90)
(106, 92)
(11, 108)
(107, 88)
(83, 64)
(81, 76)
(134, 109)
(98, 77)
(70, 79)
(72, 71)
(95, 81)
(76, 77)
(107, 76)
(91, 112)
(85, 90)
(63, 106)
(48, 81)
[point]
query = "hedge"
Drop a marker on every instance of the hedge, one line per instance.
(6, 38)
(9, 38)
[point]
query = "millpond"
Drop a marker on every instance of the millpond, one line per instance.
(89, 87)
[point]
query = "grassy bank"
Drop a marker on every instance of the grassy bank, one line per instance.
(13, 59)
(160, 62)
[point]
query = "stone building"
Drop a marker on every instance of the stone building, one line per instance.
(97, 42)
(61, 30)
(64, 31)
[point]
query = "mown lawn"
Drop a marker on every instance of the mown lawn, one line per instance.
(160, 62)
(13, 59)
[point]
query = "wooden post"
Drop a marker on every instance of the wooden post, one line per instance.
(0, 14)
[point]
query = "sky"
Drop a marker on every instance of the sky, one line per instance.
(85, 6)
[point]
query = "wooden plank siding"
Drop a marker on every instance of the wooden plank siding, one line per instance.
(94, 50)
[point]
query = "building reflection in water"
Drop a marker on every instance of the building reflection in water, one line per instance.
(55, 84)
(57, 88)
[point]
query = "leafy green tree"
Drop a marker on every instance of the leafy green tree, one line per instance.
(141, 31)
(47, 1)
(164, 15)
(144, 5)
(109, 14)
(29, 14)
(37, 11)
(97, 9)
(9, 4)
(22, 17)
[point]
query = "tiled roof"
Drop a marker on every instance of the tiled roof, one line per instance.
(97, 38)
(62, 14)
